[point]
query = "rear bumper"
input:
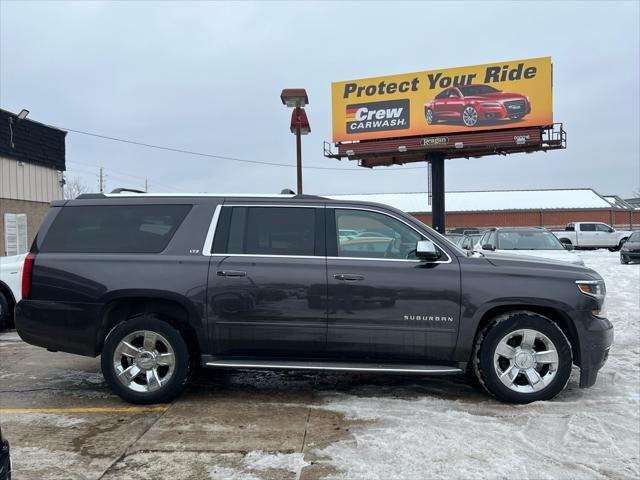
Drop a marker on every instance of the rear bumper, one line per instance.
(595, 341)
(64, 326)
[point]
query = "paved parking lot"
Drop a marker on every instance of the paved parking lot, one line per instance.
(64, 423)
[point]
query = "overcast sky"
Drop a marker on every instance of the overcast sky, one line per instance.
(207, 77)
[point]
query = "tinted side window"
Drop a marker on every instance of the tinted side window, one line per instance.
(114, 228)
(366, 234)
(272, 231)
(442, 94)
(588, 227)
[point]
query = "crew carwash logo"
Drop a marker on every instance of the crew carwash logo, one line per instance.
(375, 116)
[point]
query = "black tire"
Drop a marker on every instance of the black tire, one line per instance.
(181, 368)
(614, 249)
(6, 316)
(623, 260)
(471, 119)
(489, 339)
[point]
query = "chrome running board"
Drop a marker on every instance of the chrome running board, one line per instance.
(332, 366)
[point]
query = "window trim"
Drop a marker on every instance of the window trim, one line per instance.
(210, 238)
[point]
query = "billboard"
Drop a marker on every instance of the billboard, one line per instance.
(482, 97)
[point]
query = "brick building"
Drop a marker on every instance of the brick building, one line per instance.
(32, 162)
(547, 208)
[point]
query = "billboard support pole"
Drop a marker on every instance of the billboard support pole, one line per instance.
(437, 190)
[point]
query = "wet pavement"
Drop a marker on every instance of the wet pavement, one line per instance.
(64, 423)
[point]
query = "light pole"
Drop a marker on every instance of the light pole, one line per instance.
(297, 98)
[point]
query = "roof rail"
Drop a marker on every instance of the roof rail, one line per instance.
(120, 190)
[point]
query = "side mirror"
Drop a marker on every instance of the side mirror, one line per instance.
(568, 246)
(488, 246)
(426, 250)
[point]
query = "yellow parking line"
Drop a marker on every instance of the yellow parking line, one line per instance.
(156, 408)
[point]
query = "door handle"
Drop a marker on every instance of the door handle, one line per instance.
(349, 277)
(231, 273)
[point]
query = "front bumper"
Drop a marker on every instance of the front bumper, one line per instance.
(596, 337)
(500, 112)
(630, 256)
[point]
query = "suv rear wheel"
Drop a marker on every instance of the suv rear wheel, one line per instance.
(145, 360)
(523, 357)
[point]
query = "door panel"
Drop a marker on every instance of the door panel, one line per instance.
(268, 306)
(587, 236)
(383, 303)
(397, 311)
(267, 281)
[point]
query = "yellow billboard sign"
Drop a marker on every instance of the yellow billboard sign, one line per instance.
(482, 97)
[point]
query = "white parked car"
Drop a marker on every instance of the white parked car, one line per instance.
(590, 235)
(530, 241)
(10, 287)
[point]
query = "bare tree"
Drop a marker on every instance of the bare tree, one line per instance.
(74, 187)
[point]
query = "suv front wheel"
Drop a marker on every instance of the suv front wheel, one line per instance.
(523, 357)
(145, 360)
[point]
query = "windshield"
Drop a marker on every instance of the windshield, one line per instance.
(528, 240)
(477, 90)
(635, 237)
(457, 239)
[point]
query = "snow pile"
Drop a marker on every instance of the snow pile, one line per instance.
(260, 461)
(292, 462)
(443, 430)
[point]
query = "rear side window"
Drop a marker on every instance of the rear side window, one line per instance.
(272, 231)
(114, 228)
(587, 227)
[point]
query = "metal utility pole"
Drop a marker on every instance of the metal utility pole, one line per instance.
(298, 151)
(297, 98)
(101, 180)
(146, 185)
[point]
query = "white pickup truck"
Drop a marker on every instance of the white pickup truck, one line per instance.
(10, 287)
(589, 235)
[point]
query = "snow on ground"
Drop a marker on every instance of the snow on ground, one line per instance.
(426, 431)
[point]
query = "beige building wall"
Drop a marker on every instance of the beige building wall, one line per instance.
(29, 189)
(27, 181)
(35, 211)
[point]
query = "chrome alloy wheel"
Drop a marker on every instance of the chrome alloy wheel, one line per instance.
(429, 116)
(526, 361)
(469, 116)
(144, 361)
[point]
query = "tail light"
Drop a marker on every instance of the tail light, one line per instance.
(26, 275)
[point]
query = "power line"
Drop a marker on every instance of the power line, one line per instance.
(220, 157)
(118, 174)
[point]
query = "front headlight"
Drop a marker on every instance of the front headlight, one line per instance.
(597, 290)
(490, 104)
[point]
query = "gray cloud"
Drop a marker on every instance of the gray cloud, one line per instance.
(207, 77)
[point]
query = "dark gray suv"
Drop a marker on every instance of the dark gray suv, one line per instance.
(161, 284)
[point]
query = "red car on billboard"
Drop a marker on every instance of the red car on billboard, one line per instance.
(473, 104)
